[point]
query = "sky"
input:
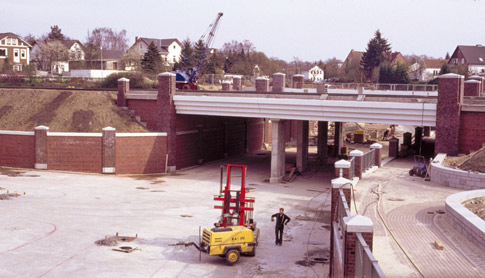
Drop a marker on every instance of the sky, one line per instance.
(309, 30)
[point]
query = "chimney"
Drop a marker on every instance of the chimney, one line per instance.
(136, 38)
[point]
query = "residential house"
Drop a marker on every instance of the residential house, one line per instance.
(170, 49)
(470, 56)
(354, 57)
(426, 71)
(313, 73)
(76, 54)
(111, 59)
(14, 51)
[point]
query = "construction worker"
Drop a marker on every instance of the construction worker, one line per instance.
(281, 220)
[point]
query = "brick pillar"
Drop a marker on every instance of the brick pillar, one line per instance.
(342, 169)
(377, 147)
(352, 225)
(41, 147)
(427, 131)
(123, 89)
(394, 147)
(482, 83)
(167, 116)
(472, 88)
(448, 110)
(322, 142)
(418, 138)
(279, 82)
(236, 83)
(226, 86)
(262, 84)
(298, 80)
(357, 155)
(109, 150)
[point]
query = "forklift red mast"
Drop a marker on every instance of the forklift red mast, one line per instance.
(237, 209)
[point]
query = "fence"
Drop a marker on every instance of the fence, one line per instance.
(366, 264)
(368, 160)
(386, 87)
(352, 168)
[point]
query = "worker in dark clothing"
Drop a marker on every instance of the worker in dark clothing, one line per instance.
(281, 220)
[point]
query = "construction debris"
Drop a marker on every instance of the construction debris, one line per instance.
(113, 241)
(126, 249)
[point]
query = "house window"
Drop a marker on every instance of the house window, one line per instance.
(462, 61)
(23, 53)
(141, 46)
(16, 53)
(3, 52)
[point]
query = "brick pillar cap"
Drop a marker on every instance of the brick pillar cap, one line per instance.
(262, 78)
(166, 74)
(342, 164)
(451, 75)
(123, 79)
(236, 77)
(278, 73)
(376, 146)
(358, 224)
(298, 75)
(476, 77)
(41, 127)
(109, 128)
(356, 153)
(473, 81)
(226, 82)
(341, 182)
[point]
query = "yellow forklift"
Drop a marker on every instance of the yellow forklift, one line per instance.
(235, 234)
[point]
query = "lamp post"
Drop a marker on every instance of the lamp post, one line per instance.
(101, 61)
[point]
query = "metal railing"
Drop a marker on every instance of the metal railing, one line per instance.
(352, 168)
(366, 264)
(386, 87)
(368, 160)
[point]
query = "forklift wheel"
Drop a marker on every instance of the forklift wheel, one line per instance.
(411, 172)
(232, 256)
(252, 253)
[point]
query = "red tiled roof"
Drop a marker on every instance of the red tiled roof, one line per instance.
(434, 63)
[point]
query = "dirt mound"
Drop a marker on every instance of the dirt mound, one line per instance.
(474, 162)
(477, 206)
(64, 111)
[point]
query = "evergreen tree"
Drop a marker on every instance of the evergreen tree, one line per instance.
(186, 56)
(199, 52)
(385, 74)
(375, 54)
(447, 57)
(445, 69)
(152, 61)
(55, 34)
(401, 74)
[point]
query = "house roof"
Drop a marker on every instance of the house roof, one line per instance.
(112, 54)
(309, 67)
(162, 44)
(434, 63)
(353, 54)
(70, 43)
(10, 34)
(474, 54)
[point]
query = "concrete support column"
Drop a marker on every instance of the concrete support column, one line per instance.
(109, 150)
(277, 151)
(279, 80)
(357, 155)
(298, 80)
(338, 137)
(262, 84)
(226, 86)
(167, 116)
(352, 225)
(448, 111)
(302, 145)
(41, 147)
(236, 83)
(377, 152)
(418, 138)
(123, 89)
(472, 88)
(322, 142)
(342, 169)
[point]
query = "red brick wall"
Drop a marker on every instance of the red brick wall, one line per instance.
(146, 109)
(17, 150)
(73, 153)
(187, 150)
(140, 155)
(472, 131)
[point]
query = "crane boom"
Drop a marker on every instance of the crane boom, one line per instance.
(211, 31)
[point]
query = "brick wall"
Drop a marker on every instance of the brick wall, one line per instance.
(146, 109)
(140, 154)
(17, 150)
(73, 153)
(472, 131)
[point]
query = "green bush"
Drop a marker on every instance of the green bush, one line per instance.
(137, 80)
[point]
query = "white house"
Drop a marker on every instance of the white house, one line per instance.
(75, 50)
(428, 70)
(314, 74)
(170, 49)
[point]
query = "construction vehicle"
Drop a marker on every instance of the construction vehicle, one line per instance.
(235, 233)
(187, 80)
(420, 168)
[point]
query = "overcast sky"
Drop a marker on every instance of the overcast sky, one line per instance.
(310, 30)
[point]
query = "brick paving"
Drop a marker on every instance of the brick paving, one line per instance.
(410, 205)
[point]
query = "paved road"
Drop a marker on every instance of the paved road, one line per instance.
(409, 206)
